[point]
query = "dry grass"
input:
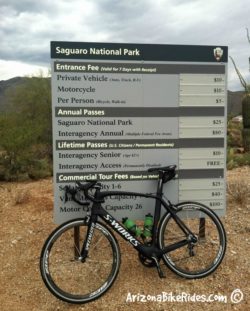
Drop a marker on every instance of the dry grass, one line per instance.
(238, 188)
(21, 196)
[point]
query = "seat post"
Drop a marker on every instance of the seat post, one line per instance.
(157, 213)
(160, 184)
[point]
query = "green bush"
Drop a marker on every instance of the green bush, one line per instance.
(25, 132)
(40, 169)
(234, 134)
(235, 160)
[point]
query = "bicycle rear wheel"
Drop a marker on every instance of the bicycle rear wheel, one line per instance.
(195, 260)
(66, 276)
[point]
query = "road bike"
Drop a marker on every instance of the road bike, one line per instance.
(80, 259)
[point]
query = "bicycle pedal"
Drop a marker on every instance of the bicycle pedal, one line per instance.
(160, 272)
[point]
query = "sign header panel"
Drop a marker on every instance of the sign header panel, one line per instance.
(139, 52)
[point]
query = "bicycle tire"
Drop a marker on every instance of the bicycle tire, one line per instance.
(70, 279)
(204, 257)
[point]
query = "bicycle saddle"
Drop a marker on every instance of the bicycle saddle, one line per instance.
(168, 169)
(166, 173)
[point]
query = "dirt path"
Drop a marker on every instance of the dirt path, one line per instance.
(26, 220)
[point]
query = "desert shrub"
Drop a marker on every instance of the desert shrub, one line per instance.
(25, 131)
(234, 134)
(40, 169)
(21, 196)
(238, 189)
(237, 159)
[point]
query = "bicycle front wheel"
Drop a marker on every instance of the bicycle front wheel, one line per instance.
(66, 276)
(194, 260)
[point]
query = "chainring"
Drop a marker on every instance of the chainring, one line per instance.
(147, 262)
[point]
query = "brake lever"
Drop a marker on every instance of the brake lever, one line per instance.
(67, 190)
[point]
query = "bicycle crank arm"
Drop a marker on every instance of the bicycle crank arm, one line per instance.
(160, 272)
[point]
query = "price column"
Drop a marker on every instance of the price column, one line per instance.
(202, 160)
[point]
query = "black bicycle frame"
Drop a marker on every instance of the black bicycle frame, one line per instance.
(146, 250)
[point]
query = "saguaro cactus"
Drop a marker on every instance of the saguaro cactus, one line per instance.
(246, 111)
(246, 122)
(245, 106)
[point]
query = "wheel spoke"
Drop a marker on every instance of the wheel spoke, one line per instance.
(206, 253)
(74, 280)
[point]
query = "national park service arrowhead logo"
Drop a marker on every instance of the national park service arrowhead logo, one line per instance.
(218, 52)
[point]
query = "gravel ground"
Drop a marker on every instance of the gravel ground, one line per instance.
(26, 221)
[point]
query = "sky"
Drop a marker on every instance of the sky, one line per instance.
(28, 26)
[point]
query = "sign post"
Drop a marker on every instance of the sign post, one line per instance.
(119, 109)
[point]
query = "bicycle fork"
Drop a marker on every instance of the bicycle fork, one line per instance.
(82, 254)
